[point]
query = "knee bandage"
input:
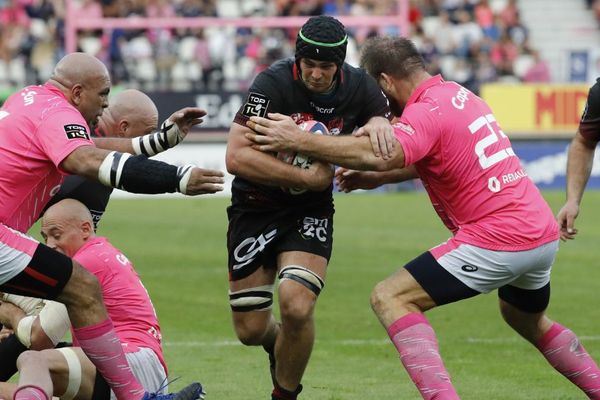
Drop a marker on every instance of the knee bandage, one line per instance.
(259, 298)
(303, 276)
(74, 373)
(54, 321)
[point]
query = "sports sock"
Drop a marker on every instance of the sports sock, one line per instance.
(282, 394)
(417, 345)
(563, 351)
(102, 346)
(30, 392)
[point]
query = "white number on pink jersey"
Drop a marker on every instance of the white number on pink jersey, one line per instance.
(485, 122)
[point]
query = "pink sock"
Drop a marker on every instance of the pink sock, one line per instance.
(30, 392)
(102, 346)
(563, 351)
(416, 342)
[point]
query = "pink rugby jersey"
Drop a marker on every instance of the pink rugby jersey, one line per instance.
(127, 301)
(38, 130)
(474, 179)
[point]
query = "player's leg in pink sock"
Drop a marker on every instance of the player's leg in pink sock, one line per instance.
(563, 351)
(417, 345)
(102, 346)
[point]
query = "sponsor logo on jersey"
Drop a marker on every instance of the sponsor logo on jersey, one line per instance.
(469, 268)
(256, 105)
(76, 131)
(322, 110)
(314, 228)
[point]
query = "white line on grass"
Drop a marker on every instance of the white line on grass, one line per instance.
(359, 342)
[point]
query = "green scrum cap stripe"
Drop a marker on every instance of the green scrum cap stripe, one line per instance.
(314, 42)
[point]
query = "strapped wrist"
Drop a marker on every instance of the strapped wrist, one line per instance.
(151, 144)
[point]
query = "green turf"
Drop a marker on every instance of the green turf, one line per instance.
(178, 247)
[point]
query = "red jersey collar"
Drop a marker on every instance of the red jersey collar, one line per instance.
(434, 80)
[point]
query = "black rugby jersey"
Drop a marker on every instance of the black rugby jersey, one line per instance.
(279, 89)
(589, 126)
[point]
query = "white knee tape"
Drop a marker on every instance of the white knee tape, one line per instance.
(258, 298)
(31, 305)
(54, 320)
(74, 373)
(24, 330)
(303, 276)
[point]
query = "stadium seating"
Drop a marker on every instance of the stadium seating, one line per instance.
(458, 38)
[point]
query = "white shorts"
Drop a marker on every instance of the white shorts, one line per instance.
(148, 370)
(16, 251)
(485, 270)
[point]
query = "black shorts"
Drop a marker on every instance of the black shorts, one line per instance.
(255, 237)
(45, 276)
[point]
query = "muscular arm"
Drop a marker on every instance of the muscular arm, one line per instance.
(347, 151)
(279, 133)
(122, 145)
(349, 180)
(579, 167)
(85, 161)
(244, 161)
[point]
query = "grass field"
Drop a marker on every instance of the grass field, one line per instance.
(178, 247)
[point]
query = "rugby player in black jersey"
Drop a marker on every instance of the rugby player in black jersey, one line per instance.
(580, 161)
(274, 232)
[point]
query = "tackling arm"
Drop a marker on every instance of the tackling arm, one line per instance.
(138, 174)
(244, 161)
(277, 133)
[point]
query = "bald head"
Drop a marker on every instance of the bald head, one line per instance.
(85, 82)
(130, 113)
(79, 68)
(67, 225)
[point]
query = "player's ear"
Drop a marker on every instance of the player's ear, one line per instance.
(87, 228)
(123, 128)
(385, 81)
(76, 92)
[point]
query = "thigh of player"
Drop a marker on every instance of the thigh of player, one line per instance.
(30, 268)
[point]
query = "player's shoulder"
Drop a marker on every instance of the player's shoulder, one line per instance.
(279, 70)
(594, 94)
(352, 75)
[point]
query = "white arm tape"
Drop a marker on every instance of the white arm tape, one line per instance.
(184, 173)
(111, 169)
(151, 144)
(54, 321)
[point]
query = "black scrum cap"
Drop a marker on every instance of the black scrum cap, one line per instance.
(322, 38)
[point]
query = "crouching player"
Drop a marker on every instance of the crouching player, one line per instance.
(68, 227)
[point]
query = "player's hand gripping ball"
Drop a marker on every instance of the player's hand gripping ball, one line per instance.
(300, 160)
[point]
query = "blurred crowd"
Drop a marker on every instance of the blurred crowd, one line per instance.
(470, 41)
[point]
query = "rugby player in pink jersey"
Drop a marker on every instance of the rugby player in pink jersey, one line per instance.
(68, 227)
(44, 133)
(504, 233)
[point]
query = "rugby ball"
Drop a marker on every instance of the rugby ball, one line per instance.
(300, 160)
